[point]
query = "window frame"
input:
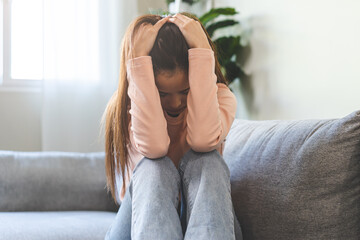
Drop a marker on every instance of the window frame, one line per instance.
(8, 83)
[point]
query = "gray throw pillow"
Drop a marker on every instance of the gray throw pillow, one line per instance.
(296, 179)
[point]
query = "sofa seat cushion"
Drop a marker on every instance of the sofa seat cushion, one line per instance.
(296, 179)
(74, 225)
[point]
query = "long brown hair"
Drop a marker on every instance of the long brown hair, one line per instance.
(170, 51)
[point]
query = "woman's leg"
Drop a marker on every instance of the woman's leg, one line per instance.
(154, 191)
(207, 194)
(121, 227)
(237, 228)
(183, 213)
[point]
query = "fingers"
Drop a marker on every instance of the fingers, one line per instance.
(183, 18)
(180, 20)
(177, 21)
(161, 22)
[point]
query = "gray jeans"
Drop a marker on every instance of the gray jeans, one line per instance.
(149, 209)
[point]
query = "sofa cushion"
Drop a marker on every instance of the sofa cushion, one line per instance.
(296, 179)
(75, 225)
(53, 181)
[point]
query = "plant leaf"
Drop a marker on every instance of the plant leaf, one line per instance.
(215, 12)
(227, 47)
(221, 24)
(233, 71)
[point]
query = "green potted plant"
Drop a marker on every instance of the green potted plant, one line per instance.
(228, 47)
(232, 55)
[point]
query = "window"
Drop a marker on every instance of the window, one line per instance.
(26, 39)
(56, 39)
(22, 43)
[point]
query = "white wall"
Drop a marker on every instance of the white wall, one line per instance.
(144, 6)
(305, 59)
(20, 121)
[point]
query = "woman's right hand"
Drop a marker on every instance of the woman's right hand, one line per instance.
(144, 39)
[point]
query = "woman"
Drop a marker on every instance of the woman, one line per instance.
(165, 131)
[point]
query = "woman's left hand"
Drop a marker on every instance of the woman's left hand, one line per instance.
(192, 31)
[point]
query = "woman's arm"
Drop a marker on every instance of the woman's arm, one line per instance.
(148, 124)
(211, 106)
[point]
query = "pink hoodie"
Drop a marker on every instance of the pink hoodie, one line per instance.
(202, 126)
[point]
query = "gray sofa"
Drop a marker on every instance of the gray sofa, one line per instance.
(54, 195)
(295, 179)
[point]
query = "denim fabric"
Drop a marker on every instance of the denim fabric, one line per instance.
(120, 229)
(149, 209)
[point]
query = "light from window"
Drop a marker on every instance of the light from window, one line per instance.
(71, 40)
(27, 39)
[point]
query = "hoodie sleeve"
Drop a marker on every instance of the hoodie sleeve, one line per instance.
(148, 126)
(211, 105)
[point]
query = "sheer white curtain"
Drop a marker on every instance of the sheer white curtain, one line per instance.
(81, 62)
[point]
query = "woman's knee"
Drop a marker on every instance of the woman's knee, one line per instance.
(160, 166)
(212, 154)
(155, 178)
(209, 160)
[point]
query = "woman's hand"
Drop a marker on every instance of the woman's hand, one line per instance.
(192, 31)
(144, 38)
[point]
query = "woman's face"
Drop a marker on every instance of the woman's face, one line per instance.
(173, 89)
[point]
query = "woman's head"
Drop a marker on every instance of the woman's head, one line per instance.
(170, 50)
(171, 66)
(169, 56)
